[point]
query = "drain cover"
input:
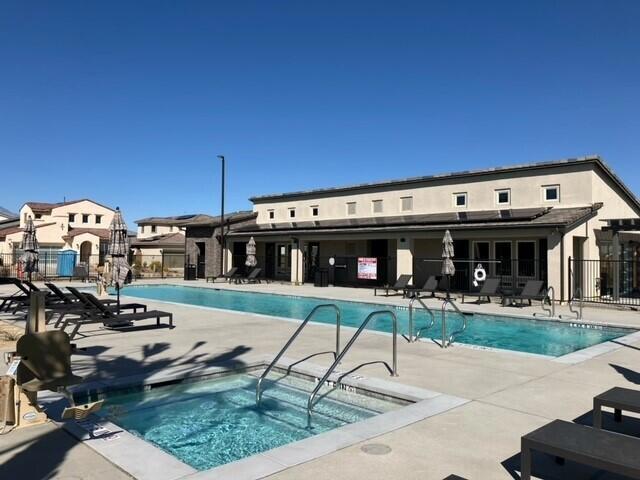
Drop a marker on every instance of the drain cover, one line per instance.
(376, 449)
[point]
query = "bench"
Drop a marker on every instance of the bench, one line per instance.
(617, 398)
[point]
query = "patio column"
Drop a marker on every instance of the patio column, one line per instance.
(554, 263)
(297, 262)
(617, 260)
(404, 257)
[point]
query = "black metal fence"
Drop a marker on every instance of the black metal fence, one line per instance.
(52, 265)
(513, 273)
(615, 282)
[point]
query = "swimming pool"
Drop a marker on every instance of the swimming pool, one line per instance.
(543, 337)
(210, 423)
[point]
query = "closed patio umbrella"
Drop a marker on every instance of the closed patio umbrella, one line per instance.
(119, 250)
(448, 268)
(251, 260)
(30, 248)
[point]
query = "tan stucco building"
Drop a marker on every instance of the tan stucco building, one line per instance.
(523, 222)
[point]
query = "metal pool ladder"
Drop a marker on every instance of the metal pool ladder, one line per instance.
(549, 296)
(577, 295)
(446, 342)
(393, 370)
(336, 354)
(413, 338)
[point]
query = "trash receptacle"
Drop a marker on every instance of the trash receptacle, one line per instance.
(321, 278)
(190, 272)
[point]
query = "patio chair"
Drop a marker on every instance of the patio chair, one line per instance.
(253, 276)
(489, 289)
(231, 274)
(21, 295)
(590, 446)
(533, 290)
(67, 298)
(106, 315)
(399, 286)
(430, 286)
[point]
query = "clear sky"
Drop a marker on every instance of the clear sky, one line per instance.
(129, 102)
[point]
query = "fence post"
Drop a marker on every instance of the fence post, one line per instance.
(570, 271)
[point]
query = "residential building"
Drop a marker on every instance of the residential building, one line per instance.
(79, 225)
(156, 235)
(521, 222)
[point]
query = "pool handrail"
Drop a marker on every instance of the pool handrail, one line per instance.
(446, 342)
(550, 295)
(393, 369)
(293, 337)
(577, 294)
(417, 298)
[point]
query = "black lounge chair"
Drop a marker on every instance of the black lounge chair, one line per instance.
(253, 276)
(490, 289)
(230, 275)
(590, 446)
(430, 286)
(67, 298)
(21, 295)
(400, 286)
(617, 398)
(107, 316)
(533, 290)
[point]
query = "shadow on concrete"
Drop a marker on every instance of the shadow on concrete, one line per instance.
(626, 345)
(545, 466)
(629, 375)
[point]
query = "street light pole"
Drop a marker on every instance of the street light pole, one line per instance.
(222, 252)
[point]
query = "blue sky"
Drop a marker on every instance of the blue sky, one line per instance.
(303, 94)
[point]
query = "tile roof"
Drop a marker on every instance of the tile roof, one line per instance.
(590, 159)
(102, 233)
(524, 217)
(174, 220)
(175, 239)
(6, 213)
(44, 207)
(202, 220)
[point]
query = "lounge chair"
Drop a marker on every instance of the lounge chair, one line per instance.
(399, 286)
(106, 315)
(253, 276)
(430, 286)
(230, 275)
(67, 298)
(617, 398)
(489, 289)
(594, 447)
(533, 290)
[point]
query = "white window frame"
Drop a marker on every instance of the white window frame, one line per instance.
(83, 215)
(292, 209)
(402, 199)
(502, 190)
(454, 199)
(545, 188)
(271, 214)
(355, 208)
(375, 202)
(316, 207)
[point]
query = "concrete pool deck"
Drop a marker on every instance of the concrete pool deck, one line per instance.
(510, 394)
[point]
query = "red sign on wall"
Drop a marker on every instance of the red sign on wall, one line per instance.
(367, 268)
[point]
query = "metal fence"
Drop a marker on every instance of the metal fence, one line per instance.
(615, 282)
(54, 265)
(513, 273)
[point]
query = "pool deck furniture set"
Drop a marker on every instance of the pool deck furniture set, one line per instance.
(591, 446)
(233, 276)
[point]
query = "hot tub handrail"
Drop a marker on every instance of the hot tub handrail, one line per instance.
(393, 369)
(446, 342)
(294, 336)
(417, 298)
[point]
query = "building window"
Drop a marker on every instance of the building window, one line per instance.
(503, 256)
(154, 229)
(98, 218)
(406, 204)
(551, 193)
(351, 208)
(142, 229)
(315, 211)
(292, 213)
(503, 197)
(72, 217)
(526, 259)
(460, 199)
(38, 216)
(376, 206)
(272, 214)
(85, 218)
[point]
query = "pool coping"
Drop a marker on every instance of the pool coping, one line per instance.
(125, 450)
(575, 357)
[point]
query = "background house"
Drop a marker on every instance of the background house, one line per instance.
(158, 249)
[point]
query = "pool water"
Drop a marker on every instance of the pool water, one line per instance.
(497, 331)
(209, 423)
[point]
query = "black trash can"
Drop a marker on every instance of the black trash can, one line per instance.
(190, 271)
(321, 278)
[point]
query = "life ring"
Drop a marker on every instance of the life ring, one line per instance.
(479, 274)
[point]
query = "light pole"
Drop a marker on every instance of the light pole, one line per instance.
(222, 252)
